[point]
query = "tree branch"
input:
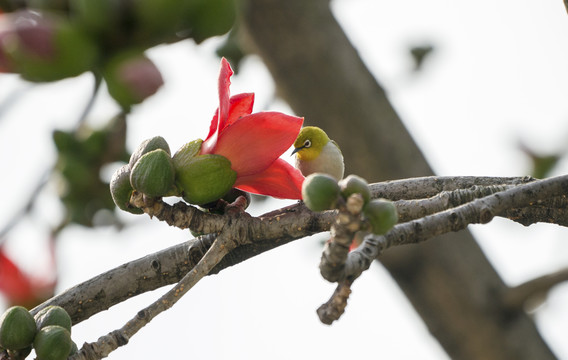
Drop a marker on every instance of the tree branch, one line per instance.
(517, 297)
(256, 235)
(336, 250)
(479, 211)
(110, 342)
(428, 186)
(168, 266)
(417, 208)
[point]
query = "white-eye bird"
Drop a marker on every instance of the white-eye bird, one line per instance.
(315, 152)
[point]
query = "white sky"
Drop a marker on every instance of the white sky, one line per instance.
(497, 75)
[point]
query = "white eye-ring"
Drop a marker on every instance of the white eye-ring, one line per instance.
(307, 143)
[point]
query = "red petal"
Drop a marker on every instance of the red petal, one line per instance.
(14, 284)
(280, 180)
(219, 120)
(255, 141)
(239, 105)
(224, 92)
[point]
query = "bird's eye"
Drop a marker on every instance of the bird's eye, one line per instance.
(307, 143)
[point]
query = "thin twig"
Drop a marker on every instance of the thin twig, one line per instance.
(335, 306)
(414, 209)
(108, 343)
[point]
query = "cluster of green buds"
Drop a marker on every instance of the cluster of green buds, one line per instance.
(199, 179)
(49, 40)
(322, 192)
(149, 171)
(48, 333)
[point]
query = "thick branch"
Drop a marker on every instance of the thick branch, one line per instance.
(168, 266)
(321, 75)
(517, 297)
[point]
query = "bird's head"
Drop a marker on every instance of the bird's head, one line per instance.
(310, 143)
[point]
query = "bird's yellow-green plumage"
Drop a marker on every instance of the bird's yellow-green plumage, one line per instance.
(315, 152)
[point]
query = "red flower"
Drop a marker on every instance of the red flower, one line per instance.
(14, 284)
(20, 288)
(254, 142)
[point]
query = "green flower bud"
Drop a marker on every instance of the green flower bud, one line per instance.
(74, 348)
(186, 153)
(53, 315)
(354, 184)
(204, 178)
(121, 190)
(157, 142)
(17, 328)
(153, 174)
(320, 192)
(53, 343)
(382, 215)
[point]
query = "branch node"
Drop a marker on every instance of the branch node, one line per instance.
(485, 215)
(141, 314)
(119, 337)
(355, 203)
(155, 264)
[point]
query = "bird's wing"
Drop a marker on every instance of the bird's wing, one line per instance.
(338, 148)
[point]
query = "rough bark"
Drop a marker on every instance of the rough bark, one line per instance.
(450, 283)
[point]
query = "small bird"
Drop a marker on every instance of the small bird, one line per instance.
(315, 152)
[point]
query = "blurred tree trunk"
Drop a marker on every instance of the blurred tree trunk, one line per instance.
(448, 280)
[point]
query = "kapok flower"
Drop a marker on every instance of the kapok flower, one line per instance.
(20, 288)
(253, 143)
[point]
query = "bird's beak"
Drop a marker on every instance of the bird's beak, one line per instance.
(296, 150)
